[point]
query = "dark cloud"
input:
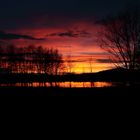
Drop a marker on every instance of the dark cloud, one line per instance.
(103, 61)
(74, 61)
(71, 33)
(18, 14)
(11, 36)
(94, 53)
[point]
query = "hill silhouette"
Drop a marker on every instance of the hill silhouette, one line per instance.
(112, 75)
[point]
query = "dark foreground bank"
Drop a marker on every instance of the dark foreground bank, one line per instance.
(58, 92)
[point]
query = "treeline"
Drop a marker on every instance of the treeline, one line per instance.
(30, 59)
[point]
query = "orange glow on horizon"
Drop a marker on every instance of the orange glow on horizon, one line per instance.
(85, 67)
(81, 49)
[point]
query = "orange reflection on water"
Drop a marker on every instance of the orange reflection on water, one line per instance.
(63, 84)
(85, 84)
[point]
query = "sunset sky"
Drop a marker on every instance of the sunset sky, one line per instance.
(68, 25)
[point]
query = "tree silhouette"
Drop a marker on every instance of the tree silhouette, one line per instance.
(11, 58)
(39, 59)
(91, 64)
(52, 62)
(120, 36)
(1, 56)
(31, 59)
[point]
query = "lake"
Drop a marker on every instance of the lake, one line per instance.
(67, 84)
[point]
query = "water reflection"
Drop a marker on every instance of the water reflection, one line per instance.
(85, 84)
(64, 84)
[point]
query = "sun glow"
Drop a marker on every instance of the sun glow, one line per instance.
(80, 49)
(86, 68)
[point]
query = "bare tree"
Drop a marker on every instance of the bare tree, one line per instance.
(21, 60)
(69, 61)
(1, 56)
(69, 64)
(31, 59)
(11, 58)
(53, 61)
(58, 62)
(120, 36)
(30, 53)
(38, 59)
(91, 64)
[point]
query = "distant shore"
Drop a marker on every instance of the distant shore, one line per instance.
(113, 75)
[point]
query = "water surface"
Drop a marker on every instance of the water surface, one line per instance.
(66, 84)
